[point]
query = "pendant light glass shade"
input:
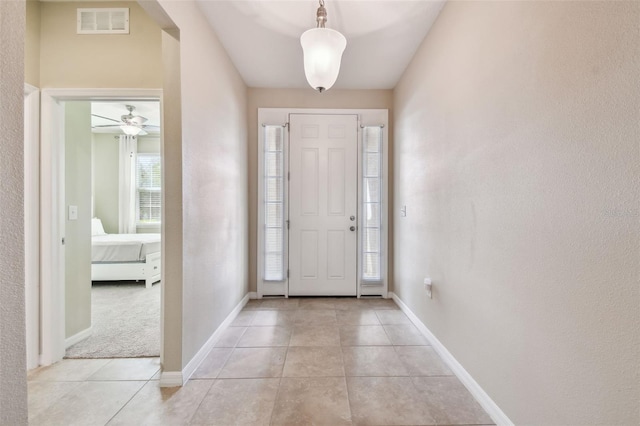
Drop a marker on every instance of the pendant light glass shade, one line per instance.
(322, 49)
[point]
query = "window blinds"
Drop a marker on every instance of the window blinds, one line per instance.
(148, 182)
(372, 203)
(274, 203)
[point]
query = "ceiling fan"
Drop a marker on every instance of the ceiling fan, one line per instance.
(130, 124)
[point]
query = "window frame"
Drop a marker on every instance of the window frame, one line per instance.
(155, 223)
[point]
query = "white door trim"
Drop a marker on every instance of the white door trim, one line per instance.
(52, 316)
(366, 117)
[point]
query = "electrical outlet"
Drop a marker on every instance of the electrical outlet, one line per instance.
(428, 287)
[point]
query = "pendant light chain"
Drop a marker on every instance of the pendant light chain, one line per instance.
(321, 15)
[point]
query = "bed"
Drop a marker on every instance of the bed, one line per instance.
(124, 257)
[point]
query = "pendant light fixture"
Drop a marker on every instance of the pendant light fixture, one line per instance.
(322, 49)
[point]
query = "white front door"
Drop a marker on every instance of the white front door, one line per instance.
(323, 200)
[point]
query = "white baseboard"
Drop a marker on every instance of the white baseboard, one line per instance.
(485, 401)
(78, 337)
(179, 378)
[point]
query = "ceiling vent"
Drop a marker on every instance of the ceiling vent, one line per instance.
(103, 21)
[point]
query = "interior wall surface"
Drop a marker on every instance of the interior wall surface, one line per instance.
(106, 166)
(517, 156)
(13, 367)
(214, 179)
(77, 233)
(32, 44)
(307, 98)
(73, 60)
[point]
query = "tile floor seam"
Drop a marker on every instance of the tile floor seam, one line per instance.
(275, 399)
(213, 383)
(128, 401)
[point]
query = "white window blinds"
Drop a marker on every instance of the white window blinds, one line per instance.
(274, 203)
(372, 203)
(148, 182)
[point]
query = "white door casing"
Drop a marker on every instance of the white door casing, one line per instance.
(323, 201)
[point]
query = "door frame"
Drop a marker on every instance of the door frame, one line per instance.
(366, 117)
(52, 208)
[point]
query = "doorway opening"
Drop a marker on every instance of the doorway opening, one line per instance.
(82, 190)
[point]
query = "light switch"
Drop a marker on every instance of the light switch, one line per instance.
(73, 212)
(403, 211)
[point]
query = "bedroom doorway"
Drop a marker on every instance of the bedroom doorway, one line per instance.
(72, 143)
(125, 205)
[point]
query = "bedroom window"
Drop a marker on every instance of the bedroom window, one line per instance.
(273, 203)
(148, 184)
(372, 203)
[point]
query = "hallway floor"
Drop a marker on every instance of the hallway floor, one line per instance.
(329, 361)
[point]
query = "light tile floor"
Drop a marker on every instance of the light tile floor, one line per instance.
(323, 361)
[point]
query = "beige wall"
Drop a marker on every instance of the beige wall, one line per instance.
(517, 157)
(105, 172)
(119, 61)
(13, 369)
(32, 44)
(214, 179)
(77, 232)
(303, 98)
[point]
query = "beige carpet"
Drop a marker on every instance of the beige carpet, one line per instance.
(126, 322)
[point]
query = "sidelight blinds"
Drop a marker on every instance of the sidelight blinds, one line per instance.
(148, 182)
(371, 203)
(274, 203)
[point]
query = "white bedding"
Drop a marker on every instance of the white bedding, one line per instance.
(123, 247)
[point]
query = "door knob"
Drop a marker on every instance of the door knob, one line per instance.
(352, 228)
(352, 218)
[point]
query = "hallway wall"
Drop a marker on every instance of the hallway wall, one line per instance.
(13, 367)
(516, 148)
(214, 180)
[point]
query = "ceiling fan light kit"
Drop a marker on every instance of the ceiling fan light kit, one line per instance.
(130, 130)
(322, 48)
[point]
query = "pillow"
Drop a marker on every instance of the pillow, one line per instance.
(96, 227)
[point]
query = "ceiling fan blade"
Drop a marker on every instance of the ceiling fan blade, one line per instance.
(107, 125)
(105, 118)
(151, 127)
(138, 119)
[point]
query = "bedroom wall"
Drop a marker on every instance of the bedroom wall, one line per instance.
(306, 98)
(13, 368)
(214, 180)
(105, 165)
(517, 158)
(78, 232)
(120, 61)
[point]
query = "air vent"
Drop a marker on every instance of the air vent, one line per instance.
(103, 21)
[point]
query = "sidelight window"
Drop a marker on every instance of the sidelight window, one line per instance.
(274, 202)
(372, 203)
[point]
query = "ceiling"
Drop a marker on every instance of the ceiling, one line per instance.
(116, 109)
(262, 38)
